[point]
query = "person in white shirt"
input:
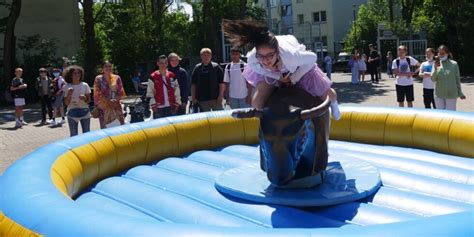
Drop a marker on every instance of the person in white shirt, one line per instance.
(237, 89)
(78, 96)
(404, 84)
(426, 69)
(277, 61)
(328, 65)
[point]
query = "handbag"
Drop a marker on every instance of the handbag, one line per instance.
(114, 123)
(95, 112)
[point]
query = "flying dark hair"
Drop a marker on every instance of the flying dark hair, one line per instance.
(248, 33)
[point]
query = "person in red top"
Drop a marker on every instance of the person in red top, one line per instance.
(163, 90)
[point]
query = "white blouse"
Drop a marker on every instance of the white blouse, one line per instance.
(294, 56)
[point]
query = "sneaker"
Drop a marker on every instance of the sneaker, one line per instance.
(53, 123)
(62, 121)
(49, 121)
(23, 122)
(18, 124)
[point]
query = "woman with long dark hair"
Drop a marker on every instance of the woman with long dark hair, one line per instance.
(275, 61)
(108, 91)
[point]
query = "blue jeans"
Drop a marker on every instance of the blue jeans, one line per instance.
(74, 117)
(238, 103)
(328, 70)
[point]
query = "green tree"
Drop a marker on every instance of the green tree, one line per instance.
(7, 25)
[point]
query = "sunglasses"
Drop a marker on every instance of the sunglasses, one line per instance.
(268, 56)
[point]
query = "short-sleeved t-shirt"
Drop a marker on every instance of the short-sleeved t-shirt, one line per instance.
(404, 67)
(21, 93)
(374, 54)
(237, 84)
(427, 68)
(79, 89)
(207, 87)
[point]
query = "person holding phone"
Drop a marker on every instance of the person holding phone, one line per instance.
(78, 95)
(448, 80)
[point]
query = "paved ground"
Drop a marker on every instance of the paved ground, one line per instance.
(15, 143)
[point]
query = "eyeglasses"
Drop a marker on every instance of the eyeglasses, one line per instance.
(268, 56)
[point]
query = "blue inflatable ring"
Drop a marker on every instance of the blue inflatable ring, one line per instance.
(157, 178)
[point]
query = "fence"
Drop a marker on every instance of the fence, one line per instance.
(416, 48)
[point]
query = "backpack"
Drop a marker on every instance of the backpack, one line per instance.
(408, 61)
(227, 68)
(409, 65)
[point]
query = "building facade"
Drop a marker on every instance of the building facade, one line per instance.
(319, 24)
(50, 19)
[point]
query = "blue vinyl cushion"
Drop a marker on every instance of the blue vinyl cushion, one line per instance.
(346, 180)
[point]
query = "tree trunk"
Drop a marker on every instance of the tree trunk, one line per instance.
(242, 8)
(9, 42)
(91, 44)
(390, 11)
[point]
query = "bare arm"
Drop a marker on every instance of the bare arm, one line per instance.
(221, 90)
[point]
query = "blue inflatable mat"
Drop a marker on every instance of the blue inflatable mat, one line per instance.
(346, 180)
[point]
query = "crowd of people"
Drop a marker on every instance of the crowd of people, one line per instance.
(439, 74)
(275, 61)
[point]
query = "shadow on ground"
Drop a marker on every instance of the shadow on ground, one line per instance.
(32, 114)
(349, 93)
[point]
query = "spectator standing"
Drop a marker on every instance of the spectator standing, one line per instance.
(389, 64)
(448, 80)
(108, 91)
(208, 86)
(362, 65)
(183, 80)
(237, 89)
(404, 83)
(58, 97)
(18, 90)
(43, 85)
(78, 96)
(163, 89)
(426, 70)
(374, 63)
(354, 65)
(328, 66)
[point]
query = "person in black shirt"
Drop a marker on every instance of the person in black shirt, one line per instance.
(374, 63)
(208, 86)
(18, 91)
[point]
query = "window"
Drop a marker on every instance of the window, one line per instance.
(300, 19)
(323, 40)
(286, 10)
(315, 16)
(272, 3)
(319, 16)
(323, 16)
